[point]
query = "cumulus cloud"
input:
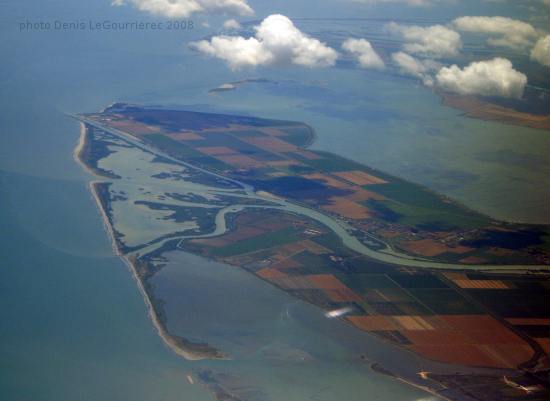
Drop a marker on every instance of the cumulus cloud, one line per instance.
(412, 66)
(231, 24)
(365, 54)
(503, 31)
(236, 51)
(276, 41)
(184, 8)
(434, 41)
(541, 51)
(495, 77)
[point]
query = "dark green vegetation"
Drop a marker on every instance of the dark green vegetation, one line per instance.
(180, 151)
(417, 206)
(329, 162)
(408, 203)
(508, 239)
(175, 120)
(297, 187)
(202, 216)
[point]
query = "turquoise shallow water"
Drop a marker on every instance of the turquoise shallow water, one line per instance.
(74, 325)
(284, 347)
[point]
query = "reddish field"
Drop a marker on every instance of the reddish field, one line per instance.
(373, 323)
(314, 247)
(134, 127)
(459, 354)
(286, 264)
(346, 295)
(308, 155)
(330, 181)
(414, 323)
(481, 284)
(271, 144)
(428, 247)
(284, 163)
(216, 150)
(326, 282)
(476, 340)
(293, 283)
(290, 249)
(347, 208)
(361, 195)
(240, 161)
(273, 131)
(360, 178)
(268, 273)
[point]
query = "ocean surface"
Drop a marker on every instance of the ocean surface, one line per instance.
(74, 325)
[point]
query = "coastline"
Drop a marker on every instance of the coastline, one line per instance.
(174, 343)
(476, 108)
(83, 142)
(378, 368)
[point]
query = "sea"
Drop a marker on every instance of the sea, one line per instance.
(74, 324)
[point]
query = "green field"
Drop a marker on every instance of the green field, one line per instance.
(182, 152)
(267, 240)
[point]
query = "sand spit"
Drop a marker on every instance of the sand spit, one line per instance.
(79, 149)
(187, 349)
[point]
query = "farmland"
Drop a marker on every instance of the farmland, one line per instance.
(270, 156)
(248, 170)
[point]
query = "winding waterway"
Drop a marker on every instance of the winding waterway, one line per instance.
(339, 227)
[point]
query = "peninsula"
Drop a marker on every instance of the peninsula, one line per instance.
(388, 256)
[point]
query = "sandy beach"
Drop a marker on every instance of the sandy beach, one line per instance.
(81, 145)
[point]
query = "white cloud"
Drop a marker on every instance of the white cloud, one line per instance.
(184, 8)
(410, 65)
(362, 49)
(495, 77)
(231, 24)
(237, 51)
(433, 41)
(503, 31)
(276, 41)
(541, 51)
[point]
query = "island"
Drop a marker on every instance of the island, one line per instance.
(389, 257)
